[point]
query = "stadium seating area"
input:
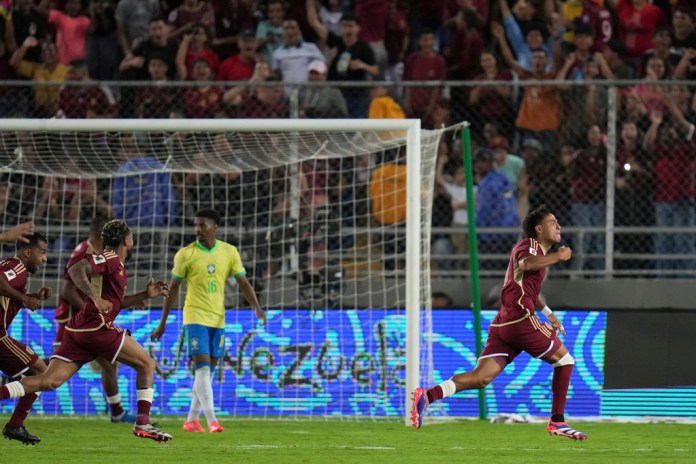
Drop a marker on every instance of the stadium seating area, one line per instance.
(304, 58)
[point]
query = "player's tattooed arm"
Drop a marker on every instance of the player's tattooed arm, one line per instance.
(79, 273)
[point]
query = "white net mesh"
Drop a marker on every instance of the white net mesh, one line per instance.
(319, 219)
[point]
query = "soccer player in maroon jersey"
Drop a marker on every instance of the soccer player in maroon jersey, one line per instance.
(71, 300)
(516, 327)
(17, 359)
(91, 332)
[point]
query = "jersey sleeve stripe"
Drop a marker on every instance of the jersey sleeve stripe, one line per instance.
(241, 274)
(176, 277)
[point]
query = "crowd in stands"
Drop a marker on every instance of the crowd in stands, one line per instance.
(534, 143)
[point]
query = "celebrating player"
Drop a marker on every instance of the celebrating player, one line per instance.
(516, 327)
(71, 301)
(16, 358)
(91, 332)
(205, 264)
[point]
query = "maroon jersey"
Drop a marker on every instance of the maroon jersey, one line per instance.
(77, 101)
(64, 311)
(14, 272)
(521, 289)
(109, 278)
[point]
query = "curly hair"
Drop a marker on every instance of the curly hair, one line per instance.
(114, 232)
(209, 213)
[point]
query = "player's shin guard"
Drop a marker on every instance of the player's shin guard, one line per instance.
(559, 385)
(145, 396)
(22, 410)
(115, 404)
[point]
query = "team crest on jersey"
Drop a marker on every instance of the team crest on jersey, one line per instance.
(194, 344)
(211, 269)
(10, 274)
(532, 251)
(99, 259)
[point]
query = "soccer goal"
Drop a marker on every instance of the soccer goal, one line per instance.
(332, 220)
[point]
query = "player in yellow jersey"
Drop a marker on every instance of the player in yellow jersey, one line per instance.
(205, 265)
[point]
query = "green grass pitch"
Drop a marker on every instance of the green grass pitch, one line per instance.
(95, 440)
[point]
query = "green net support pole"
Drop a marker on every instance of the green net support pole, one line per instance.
(473, 254)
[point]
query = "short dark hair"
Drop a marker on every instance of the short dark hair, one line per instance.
(114, 232)
(348, 16)
(97, 224)
(34, 240)
(209, 213)
(617, 46)
(533, 219)
(78, 63)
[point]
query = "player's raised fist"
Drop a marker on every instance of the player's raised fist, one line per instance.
(44, 293)
(103, 306)
(31, 303)
(565, 253)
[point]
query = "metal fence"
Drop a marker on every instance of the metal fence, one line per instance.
(614, 160)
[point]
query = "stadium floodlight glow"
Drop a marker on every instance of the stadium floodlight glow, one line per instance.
(96, 150)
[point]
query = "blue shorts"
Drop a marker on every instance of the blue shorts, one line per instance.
(202, 339)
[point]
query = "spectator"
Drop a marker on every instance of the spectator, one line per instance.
(157, 101)
(196, 45)
(50, 69)
(204, 100)
(542, 181)
(388, 191)
(589, 174)
(455, 189)
(71, 31)
(265, 101)
(270, 31)
(383, 106)
(26, 21)
(134, 20)
(240, 67)
(661, 41)
(649, 93)
(396, 41)
(102, 42)
(322, 101)
(595, 15)
(492, 103)
(290, 61)
(372, 17)
(508, 164)
(635, 189)
(612, 65)
(536, 36)
(538, 115)
(424, 65)
(683, 30)
(231, 18)
(84, 101)
(143, 195)
(495, 207)
(189, 14)
(464, 46)
(134, 65)
(235, 96)
(637, 21)
(582, 41)
(441, 300)
(12, 103)
(354, 61)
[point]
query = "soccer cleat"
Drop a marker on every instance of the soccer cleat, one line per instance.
(151, 432)
(19, 434)
(123, 417)
(562, 429)
(420, 404)
(193, 426)
(215, 427)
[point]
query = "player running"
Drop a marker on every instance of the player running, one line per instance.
(91, 332)
(17, 359)
(516, 327)
(71, 301)
(205, 265)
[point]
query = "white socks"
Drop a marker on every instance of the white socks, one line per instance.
(146, 394)
(202, 396)
(114, 399)
(448, 388)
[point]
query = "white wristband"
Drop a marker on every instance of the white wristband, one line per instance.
(546, 311)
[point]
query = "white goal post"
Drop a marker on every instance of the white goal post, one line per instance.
(404, 132)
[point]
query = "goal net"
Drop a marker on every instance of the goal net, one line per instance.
(332, 221)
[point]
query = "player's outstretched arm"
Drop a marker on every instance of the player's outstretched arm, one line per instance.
(153, 290)
(169, 302)
(20, 232)
(534, 263)
(250, 295)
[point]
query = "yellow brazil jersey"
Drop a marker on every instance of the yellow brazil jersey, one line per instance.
(205, 272)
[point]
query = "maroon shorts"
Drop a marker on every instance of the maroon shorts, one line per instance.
(83, 347)
(530, 335)
(15, 356)
(60, 330)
